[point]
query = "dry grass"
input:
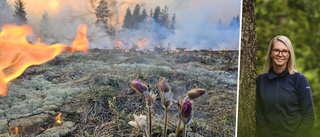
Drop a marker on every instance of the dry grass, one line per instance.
(107, 102)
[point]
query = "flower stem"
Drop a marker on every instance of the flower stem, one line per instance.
(145, 133)
(177, 130)
(184, 130)
(149, 109)
(165, 122)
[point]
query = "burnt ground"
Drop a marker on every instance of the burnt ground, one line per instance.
(92, 92)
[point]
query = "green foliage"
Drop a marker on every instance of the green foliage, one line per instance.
(299, 21)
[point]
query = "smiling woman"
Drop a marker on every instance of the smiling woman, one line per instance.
(284, 99)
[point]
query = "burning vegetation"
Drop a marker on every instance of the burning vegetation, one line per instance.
(89, 94)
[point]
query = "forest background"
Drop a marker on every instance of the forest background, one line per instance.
(299, 20)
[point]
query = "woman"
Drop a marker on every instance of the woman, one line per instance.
(284, 100)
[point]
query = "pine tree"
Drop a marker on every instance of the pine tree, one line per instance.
(151, 12)
(6, 16)
(156, 14)
(235, 23)
(144, 15)
(20, 13)
(128, 21)
(173, 23)
(44, 26)
(164, 17)
(248, 72)
(136, 16)
(102, 14)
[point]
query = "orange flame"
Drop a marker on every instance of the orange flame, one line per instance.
(17, 54)
(219, 51)
(16, 130)
(58, 118)
(142, 43)
(159, 47)
(225, 50)
(118, 45)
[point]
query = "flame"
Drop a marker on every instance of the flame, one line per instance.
(16, 130)
(17, 54)
(144, 51)
(37, 40)
(58, 118)
(118, 45)
(142, 43)
(219, 51)
(159, 47)
(126, 50)
(225, 50)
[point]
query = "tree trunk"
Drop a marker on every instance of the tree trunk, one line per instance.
(248, 72)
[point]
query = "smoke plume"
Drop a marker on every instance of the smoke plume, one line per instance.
(200, 24)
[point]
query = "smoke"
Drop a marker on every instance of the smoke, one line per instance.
(6, 15)
(200, 24)
(71, 14)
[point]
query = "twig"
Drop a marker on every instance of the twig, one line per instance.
(11, 119)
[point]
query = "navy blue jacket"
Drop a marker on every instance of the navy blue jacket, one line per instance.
(284, 105)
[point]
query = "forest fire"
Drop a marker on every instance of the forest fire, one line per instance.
(119, 46)
(14, 131)
(142, 42)
(58, 118)
(17, 54)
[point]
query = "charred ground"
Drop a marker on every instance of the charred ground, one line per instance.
(92, 91)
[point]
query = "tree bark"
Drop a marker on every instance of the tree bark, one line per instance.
(248, 72)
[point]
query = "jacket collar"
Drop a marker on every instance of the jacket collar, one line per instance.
(272, 75)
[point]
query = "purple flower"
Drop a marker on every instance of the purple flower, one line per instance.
(138, 86)
(186, 110)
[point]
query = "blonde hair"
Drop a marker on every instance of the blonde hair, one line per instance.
(291, 64)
